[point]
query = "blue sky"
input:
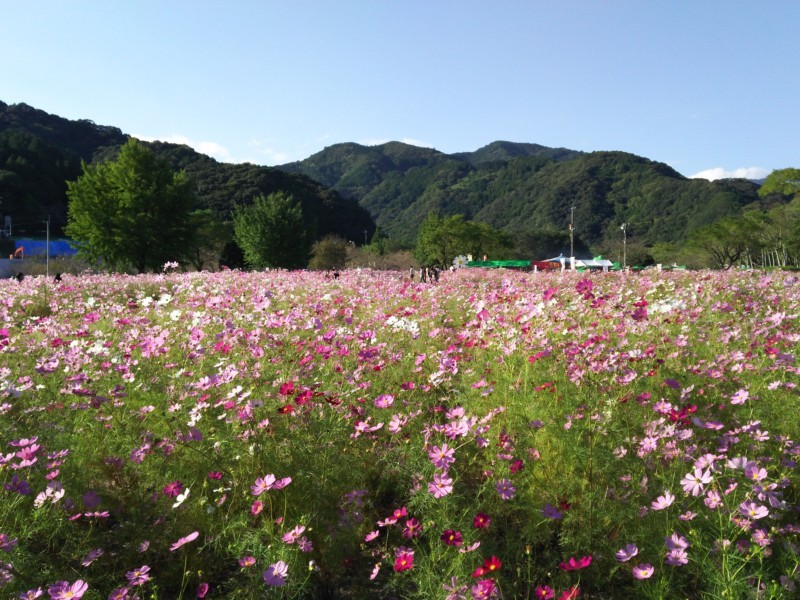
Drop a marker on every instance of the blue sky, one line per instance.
(705, 86)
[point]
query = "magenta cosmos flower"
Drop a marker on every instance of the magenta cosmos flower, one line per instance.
(404, 562)
(481, 521)
(574, 564)
(173, 489)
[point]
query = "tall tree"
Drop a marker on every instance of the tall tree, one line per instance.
(132, 212)
(272, 232)
(781, 181)
(724, 244)
(441, 239)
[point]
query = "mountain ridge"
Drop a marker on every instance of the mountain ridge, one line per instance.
(350, 188)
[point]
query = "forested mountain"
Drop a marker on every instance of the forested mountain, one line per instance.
(525, 188)
(39, 152)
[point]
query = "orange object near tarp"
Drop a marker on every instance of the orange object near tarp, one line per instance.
(18, 253)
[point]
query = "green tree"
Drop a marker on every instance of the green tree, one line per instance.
(781, 181)
(272, 232)
(329, 253)
(441, 239)
(726, 243)
(132, 212)
(211, 237)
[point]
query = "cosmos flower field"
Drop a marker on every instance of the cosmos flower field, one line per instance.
(496, 435)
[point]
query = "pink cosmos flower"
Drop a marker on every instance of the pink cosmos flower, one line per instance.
(441, 485)
(290, 537)
(247, 561)
(32, 594)
(184, 540)
(442, 457)
(570, 593)
(276, 574)
(751, 510)
(574, 565)
(371, 535)
(412, 528)
(740, 397)
(505, 489)
(754, 472)
(404, 562)
(626, 553)
(694, 483)
(676, 542)
(452, 537)
(281, 483)
(62, 590)
(643, 571)
(202, 590)
(485, 588)
(6, 544)
(677, 557)
(138, 576)
(663, 502)
(384, 401)
(263, 484)
(481, 521)
(544, 592)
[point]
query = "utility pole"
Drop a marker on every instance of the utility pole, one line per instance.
(48, 246)
(571, 238)
(624, 245)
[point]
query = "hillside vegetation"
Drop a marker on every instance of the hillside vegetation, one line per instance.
(526, 190)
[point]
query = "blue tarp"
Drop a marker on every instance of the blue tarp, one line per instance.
(33, 247)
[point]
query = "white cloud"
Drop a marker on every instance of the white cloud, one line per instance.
(740, 173)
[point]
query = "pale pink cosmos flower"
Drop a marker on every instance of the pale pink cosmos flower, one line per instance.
(663, 502)
(184, 540)
(694, 483)
(751, 510)
(643, 571)
(441, 485)
(740, 397)
(677, 557)
(63, 590)
(442, 457)
(626, 553)
(290, 537)
(754, 472)
(282, 483)
(676, 540)
(263, 484)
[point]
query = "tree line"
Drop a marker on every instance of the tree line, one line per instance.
(136, 212)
